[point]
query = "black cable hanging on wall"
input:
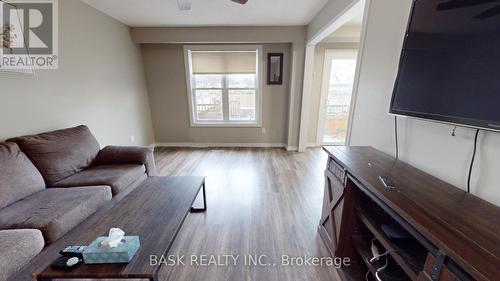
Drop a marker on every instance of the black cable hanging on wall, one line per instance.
(396, 136)
(472, 160)
(476, 136)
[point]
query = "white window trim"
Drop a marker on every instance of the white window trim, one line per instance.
(258, 82)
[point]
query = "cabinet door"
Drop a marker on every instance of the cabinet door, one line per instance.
(445, 274)
(337, 215)
(332, 204)
(349, 224)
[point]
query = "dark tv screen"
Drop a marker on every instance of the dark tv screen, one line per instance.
(450, 63)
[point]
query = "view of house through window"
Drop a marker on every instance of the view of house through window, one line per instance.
(224, 87)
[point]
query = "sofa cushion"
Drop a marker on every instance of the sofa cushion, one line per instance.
(18, 176)
(119, 177)
(18, 248)
(54, 211)
(60, 154)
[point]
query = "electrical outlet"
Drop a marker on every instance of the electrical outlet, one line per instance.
(132, 138)
(263, 130)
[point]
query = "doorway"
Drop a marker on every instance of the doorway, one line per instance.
(336, 93)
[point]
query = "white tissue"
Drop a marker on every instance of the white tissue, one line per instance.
(114, 238)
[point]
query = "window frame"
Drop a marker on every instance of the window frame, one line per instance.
(225, 90)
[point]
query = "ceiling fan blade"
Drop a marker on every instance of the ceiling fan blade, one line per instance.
(455, 4)
(242, 2)
(495, 11)
(184, 5)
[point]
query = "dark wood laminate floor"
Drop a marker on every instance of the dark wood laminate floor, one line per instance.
(260, 202)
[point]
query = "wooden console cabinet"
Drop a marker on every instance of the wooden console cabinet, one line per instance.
(451, 235)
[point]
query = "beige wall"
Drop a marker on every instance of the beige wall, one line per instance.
(166, 76)
(296, 35)
(426, 145)
(100, 82)
(319, 60)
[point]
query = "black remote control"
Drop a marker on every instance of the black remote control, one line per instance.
(73, 251)
(387, 182)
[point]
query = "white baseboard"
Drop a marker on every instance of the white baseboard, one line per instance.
(203, 145)
(312, 144)
(292, 148)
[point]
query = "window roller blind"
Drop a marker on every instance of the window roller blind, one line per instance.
(224, 62)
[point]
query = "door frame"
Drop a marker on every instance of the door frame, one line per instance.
(325, 87)
(335, 21)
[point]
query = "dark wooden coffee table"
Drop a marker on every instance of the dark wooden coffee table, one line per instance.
(155, 211)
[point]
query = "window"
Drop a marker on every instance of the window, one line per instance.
(224, 85)
(338, 80)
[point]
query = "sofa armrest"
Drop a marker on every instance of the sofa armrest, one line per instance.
(117, 155)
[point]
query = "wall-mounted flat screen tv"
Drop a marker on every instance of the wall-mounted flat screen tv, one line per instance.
(450, 63)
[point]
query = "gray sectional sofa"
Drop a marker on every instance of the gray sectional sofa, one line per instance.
(51, 182)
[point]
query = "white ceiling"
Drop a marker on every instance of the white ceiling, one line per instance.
(210, 12)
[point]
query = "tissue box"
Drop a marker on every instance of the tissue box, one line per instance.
(94, 254)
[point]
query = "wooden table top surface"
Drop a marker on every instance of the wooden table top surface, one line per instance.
(154, 211)
(466, 227)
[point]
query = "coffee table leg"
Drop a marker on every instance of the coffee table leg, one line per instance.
(201, 210)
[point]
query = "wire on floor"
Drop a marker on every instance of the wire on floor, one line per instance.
(367, 274)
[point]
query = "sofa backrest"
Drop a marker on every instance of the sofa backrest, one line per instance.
(60, 154)
(18, 176)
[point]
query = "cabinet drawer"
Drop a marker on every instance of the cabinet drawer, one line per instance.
(337, 170)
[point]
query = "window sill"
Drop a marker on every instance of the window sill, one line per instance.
(227, 125)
